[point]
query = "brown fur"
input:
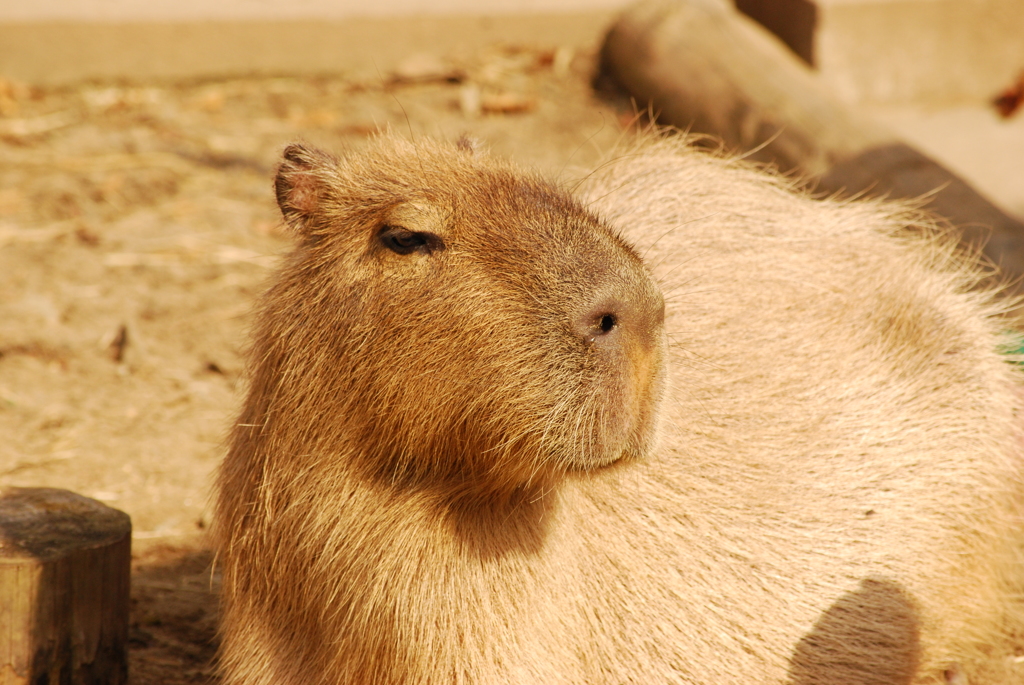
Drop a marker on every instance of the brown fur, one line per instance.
(452, 468)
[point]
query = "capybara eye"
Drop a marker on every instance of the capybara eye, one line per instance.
(403, 241)
(607, 323)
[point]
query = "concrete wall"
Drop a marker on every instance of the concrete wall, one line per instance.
(903, 51)
(242, 10)
(58, 52)
(62, 41)
(937, 52)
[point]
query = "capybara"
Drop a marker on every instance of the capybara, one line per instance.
(686, 426)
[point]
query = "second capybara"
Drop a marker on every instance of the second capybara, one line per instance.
(684, 426)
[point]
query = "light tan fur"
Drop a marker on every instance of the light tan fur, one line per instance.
(447, 472)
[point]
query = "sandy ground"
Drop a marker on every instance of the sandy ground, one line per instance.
(137, 225)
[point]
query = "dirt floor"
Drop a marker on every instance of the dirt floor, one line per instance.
(137, 224)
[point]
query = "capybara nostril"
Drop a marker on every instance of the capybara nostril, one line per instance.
(597, 324)
(633, 310)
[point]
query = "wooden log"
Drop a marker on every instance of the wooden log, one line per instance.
(64, 581)
(703, 66)
(898, 170)
(708, 68)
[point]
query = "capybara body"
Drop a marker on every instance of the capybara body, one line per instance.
(480, 446)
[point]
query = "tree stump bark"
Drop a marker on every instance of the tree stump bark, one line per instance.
(65, 565)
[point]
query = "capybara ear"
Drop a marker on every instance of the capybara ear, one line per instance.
(300, 185)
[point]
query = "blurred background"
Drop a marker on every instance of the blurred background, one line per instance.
(138, 139)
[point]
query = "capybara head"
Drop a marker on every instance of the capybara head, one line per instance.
(448, 320)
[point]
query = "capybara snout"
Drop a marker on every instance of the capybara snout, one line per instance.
(622, 326)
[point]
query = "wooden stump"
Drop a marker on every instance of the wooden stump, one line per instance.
(64, 579)
(703, 66)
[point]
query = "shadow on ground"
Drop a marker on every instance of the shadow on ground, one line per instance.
(174, 613)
